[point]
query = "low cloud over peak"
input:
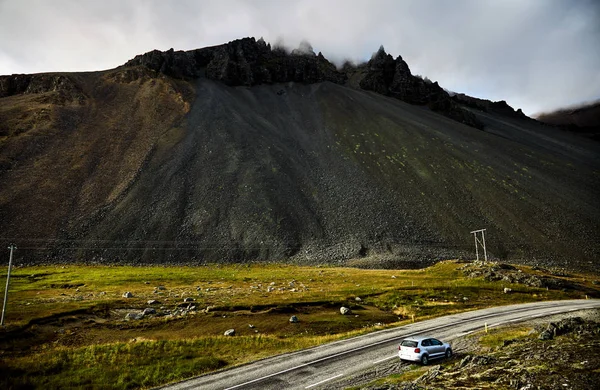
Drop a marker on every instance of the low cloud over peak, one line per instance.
(538, 55)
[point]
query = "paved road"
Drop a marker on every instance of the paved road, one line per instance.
(321, 366)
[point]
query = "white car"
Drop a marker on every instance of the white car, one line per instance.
(422, 349)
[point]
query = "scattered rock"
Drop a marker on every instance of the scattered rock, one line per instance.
(161, 288)
(188, 299)
(229, 332)
(546, 335)
(153, 302)
(358, 299)
(293, 319)
(507, 290)
(251, 326)
(429, 375)
(127, 295)
(148, 311)
(133, 316)
(344, 310)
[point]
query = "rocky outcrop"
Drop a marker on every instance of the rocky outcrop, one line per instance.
(17, 84)
(499, 107)
(391, 77)
(250, 62)
(243, 62)
(562, 327)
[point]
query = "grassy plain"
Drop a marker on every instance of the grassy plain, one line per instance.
(66, 327)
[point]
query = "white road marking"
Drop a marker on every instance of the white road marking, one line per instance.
(461, 334)
(383, 360)
(389, 340)
(315, 361)
(323, 381)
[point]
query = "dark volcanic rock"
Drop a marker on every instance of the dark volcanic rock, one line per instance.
(243, 62)
(250, 62)
(40, 83)
(393, 77)
(499, 107)
(381, 72)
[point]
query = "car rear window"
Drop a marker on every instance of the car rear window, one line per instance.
(408, 343)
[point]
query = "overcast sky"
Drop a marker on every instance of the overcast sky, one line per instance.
(536, 54)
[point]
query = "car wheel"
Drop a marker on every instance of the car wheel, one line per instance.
(424, 360)
(448, 353)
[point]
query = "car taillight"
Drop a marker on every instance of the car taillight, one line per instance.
(417, 350)
(399, 348)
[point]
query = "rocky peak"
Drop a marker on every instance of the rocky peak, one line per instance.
(393, 77)
(250, 62)
(243, 62)
(381, 69)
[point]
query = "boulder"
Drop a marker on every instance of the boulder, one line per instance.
(148, 311)
(153, 302)
(188, 299)
(507, 290)
(344, 310)
(229, 332)
(127, 295)
(546, 335)
(293, 319)
(133, 316)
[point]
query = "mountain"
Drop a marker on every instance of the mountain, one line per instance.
(244, 152)
(584, 119)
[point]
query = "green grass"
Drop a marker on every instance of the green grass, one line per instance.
(141, 363)
(410, 375)
(65, 324)
(496, 337)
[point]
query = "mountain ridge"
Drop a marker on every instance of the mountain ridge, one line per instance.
(156, 162)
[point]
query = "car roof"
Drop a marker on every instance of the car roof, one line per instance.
(418, 338)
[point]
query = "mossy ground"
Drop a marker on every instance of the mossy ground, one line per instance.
(65, 324)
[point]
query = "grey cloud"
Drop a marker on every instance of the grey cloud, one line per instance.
(536, 54)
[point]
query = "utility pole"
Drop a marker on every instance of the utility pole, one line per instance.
(480, 242)
(12, 248)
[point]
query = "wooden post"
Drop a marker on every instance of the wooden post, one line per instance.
(12, 248)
